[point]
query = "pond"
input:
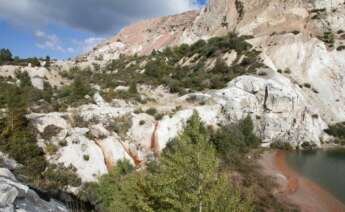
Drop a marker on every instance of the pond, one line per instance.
(325, 168)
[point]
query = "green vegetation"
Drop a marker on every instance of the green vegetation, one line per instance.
(328, 38)
(152, 111)
(338, 131)
(17, 137)
(121, 125)
(318, 13)
(186, 178)
(194, 173)
(234, 141)
(75, 93)
(6, 58)
(165, 68)
(281, 145)
(308, 146)
(86, 157)
(340, 48)
(57, 177)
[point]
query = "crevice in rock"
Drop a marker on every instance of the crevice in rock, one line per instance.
(265, 100)
(240, 9)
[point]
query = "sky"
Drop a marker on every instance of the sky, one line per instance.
(65, 28)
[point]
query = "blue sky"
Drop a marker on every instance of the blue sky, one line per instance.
(65, 28)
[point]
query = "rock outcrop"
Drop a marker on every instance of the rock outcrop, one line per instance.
(15, 196)
(218, 17)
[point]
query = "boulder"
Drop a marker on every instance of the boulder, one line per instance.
(15, 196)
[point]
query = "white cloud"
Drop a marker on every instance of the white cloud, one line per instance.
(90, 43)
(98, 16)
(50, 42)
(87, 44)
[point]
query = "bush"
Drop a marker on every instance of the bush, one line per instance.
(337, 130)
(50, 131)
(341, 48)
(308, 146)
(281, 145)
(121, 125)
(86, 157)
(232, 141)
(51, 149)
(151, 111)
(59, 177)
(63, 143)
(307, 85)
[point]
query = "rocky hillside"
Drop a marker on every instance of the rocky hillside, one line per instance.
(279, 62)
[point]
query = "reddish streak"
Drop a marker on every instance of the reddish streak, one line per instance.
(108, 161)
(134, 157)
(154, 143)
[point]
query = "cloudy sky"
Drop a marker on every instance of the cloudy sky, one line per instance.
(65, 28)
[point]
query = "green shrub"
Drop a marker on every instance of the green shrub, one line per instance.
(51, 149)
(307, 85)
(287, 71)
(50, 131)
(86, 157)
(232, 141)
(151, 111)
(281, 145)
(308, 146)
(121, 125)
(336, 130)
(58, 176)
(159, 116)
(340, 48)
(63, 143)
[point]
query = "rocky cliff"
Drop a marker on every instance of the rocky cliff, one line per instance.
(15, 196)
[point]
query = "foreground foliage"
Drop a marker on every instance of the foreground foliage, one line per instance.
(196, 172)
(186, 178)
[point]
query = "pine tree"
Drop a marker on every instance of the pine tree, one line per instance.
(5, 55)
(187, 178)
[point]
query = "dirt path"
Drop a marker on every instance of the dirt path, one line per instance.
(296, 189)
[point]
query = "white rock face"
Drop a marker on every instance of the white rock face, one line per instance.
(169, 128)
(37, 75)
(311, 65)
(278, 108)
(78, 147)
